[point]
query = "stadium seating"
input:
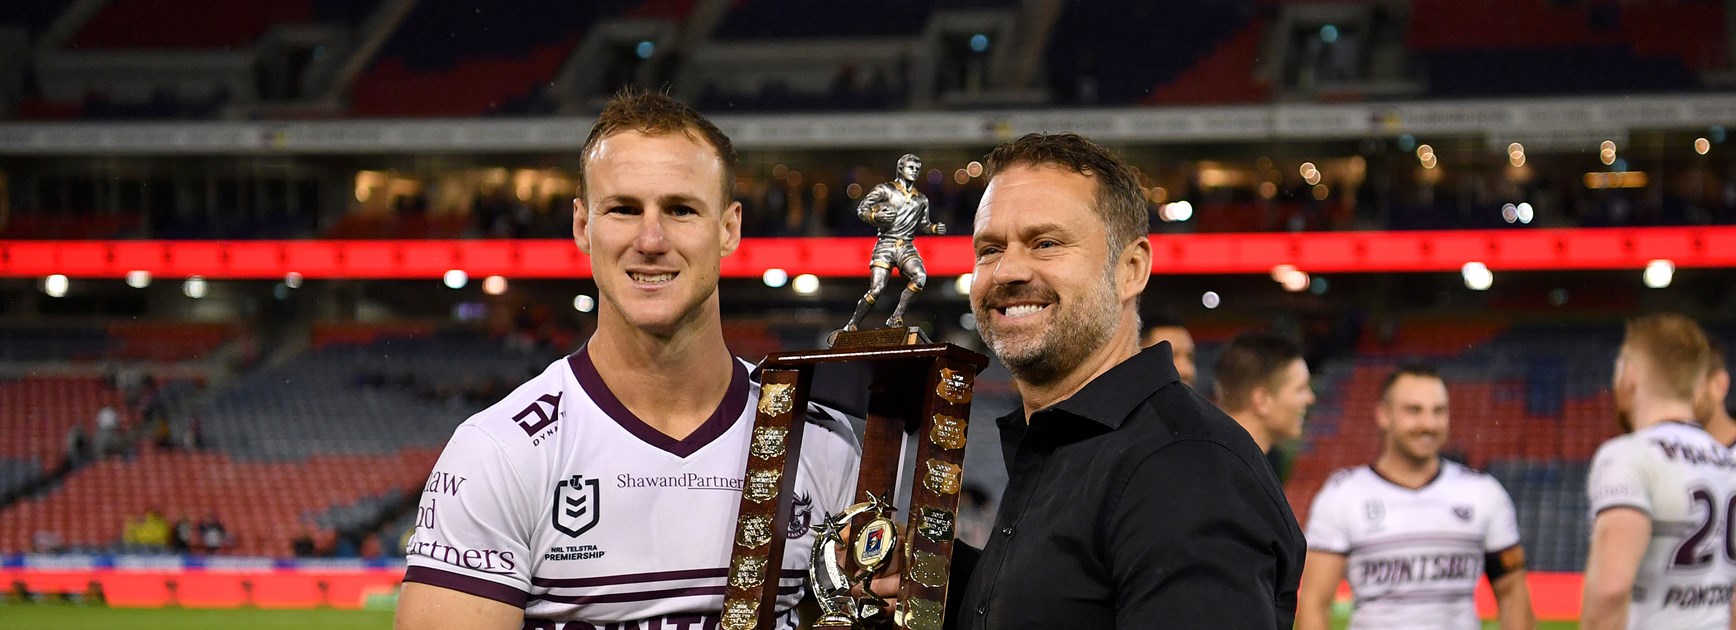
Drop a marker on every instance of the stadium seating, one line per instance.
(503, 56)
(1103, 36)
(40, 410)
(264, 505)
(376, 398)
(204, 25)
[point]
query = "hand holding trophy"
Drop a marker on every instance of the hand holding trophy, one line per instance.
(916, 388)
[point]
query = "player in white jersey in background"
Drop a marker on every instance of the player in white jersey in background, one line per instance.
(1413, 532)
(1662, 554)
(604, 493)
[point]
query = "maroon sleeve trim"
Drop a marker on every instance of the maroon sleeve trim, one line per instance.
(468, 585)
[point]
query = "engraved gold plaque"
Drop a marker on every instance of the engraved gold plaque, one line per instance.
(768, 442)
(739, 615)
(942, 477)
(762, 485)
(954, 386)
(923, 614)
(928, 569)
(935, 524)
(947, 433)
(776, 399)
(747, 572)
(754, 531)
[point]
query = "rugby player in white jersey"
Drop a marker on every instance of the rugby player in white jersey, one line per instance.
(1663, 554)
(1413, 532)
(604, 492)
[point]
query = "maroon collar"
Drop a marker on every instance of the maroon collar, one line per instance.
(728, 409)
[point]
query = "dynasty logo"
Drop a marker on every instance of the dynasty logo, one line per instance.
(544, 418)
(577, 506)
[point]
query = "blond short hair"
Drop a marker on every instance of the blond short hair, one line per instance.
(1675, 348)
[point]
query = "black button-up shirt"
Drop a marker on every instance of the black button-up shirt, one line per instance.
(1136, 503)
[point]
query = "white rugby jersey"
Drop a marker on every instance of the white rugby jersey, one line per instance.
(559, 500)
(1413, 557)
(1681, 477)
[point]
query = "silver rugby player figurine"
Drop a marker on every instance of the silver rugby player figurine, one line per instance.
(899, 212)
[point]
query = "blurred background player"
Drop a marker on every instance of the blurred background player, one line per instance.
(1710, 405)
(1661, 495)
(1181, 344)
(582, 497)
(1413, 531)
(1262, 381)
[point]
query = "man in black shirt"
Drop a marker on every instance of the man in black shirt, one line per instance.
(1132, 502)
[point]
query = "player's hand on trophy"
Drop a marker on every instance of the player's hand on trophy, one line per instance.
(937, 229)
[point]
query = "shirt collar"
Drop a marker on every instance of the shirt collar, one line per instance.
(1112, 396)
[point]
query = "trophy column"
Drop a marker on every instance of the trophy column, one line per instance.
(934, 492)
(757, 557)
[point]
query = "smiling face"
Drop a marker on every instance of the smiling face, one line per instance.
(656, 227)
(1046, 295)
(1413, 415)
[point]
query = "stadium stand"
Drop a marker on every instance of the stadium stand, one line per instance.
(503, 56)
(1084, 66)
(40, 410)
(265, 505)
(373, 399)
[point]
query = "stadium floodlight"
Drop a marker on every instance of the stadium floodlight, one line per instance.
(1702, 146)
(55, 285)
(1295, 281)
(1525, 212)
(1509, 213)
(1477, 276)
(1178, 211)
(195, 287)
(775, 278)
(138, 278)
(292, 280)
(1659, 273)
(963, 283)
(584, 303)
(806, 284)
(494, 285)
(455, 278)
(1210, 299)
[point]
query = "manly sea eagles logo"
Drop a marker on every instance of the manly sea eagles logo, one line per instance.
(576, 505)
(801, 516)
(1463, 512)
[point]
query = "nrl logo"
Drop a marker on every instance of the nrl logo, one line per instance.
(577, 507)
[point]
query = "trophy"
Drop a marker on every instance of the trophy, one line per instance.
(899, 212)
(920, 389)
(917, 391)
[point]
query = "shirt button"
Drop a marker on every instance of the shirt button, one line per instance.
(1007, 531)
(982, 609)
